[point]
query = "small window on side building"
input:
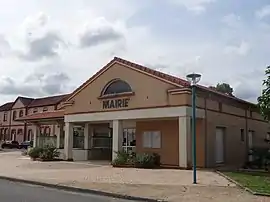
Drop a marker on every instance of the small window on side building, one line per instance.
(21, 113)
(220, 106)
(35, 110)
(45, 109)
(5, 116)
(242, 134)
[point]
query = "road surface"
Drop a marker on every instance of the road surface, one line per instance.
(19, 192)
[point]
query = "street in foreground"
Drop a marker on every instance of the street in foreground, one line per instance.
(18, 192)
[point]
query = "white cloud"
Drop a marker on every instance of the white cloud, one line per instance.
(196, 6)
(99, 31)
(232, 20)
(241, 49)
(263, 12)
(34, 22)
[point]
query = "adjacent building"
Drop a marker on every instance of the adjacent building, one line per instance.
(127, 106)
(12, 129)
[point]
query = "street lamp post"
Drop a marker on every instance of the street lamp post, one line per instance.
(194, 79)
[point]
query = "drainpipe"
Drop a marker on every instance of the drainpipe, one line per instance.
(246, 139)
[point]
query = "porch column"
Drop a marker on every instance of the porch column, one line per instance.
(68, 141)
(86, 139)
(117, 137)
(184, 142)
(36, 135)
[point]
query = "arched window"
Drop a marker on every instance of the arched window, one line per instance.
(115, 87)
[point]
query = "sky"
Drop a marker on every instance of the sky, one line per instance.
(50, 47)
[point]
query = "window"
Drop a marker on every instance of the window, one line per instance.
(220, 106)
(242, 134)
(250, 113)
(5, 116)
(116, 87)
(14, 115)
(267, 137)
(47, 131)
(152, 139)
(21, 113)
(35, 110)
(30, 135)
(45, 109)
(20, 132)
(129, 139)
(78, 137)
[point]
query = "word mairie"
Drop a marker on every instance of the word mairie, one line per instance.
(117, 103)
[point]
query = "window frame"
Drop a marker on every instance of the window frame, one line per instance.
(21, 113)
(126, 145)
(14, 115)
(114, 82)
(35, 110)
(5, 117)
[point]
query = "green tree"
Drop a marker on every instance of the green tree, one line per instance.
(264, 99)
(223, 88)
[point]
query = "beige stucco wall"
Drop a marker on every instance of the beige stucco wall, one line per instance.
(233, 120)
(149, 92)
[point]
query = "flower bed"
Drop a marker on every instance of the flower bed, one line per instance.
(46, 153)
(144, 160)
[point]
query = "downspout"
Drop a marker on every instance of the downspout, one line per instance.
(9, 127)
(246, 139)
(205, 133)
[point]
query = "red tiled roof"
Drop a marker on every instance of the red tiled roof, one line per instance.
(42, 116)
(45, 101)
(6, 106)
(169, 78)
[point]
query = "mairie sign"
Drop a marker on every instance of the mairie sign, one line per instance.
(116, 103)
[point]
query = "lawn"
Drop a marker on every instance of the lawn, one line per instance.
(256, 182)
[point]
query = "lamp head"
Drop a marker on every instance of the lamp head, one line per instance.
(193, 78)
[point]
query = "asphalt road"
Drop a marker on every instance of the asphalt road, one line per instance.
(19, 192)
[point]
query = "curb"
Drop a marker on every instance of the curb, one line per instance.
(81, 190)
(241, 186)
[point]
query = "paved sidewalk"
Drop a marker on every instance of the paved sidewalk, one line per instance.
(172, 185)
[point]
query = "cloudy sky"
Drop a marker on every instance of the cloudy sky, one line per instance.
(49, 47)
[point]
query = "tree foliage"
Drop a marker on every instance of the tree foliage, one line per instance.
(223, 88)
(264, 99)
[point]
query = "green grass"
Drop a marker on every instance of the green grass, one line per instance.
(256, 182)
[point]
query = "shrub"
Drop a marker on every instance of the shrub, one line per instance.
(122, 158)
(35, 152)
(49, 153)
(145, 161)
(261, 158)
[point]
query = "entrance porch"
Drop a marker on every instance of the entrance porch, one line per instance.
(165, 131)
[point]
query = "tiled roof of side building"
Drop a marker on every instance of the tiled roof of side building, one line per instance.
(6, 107)
(46, 101)
(25, 100)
